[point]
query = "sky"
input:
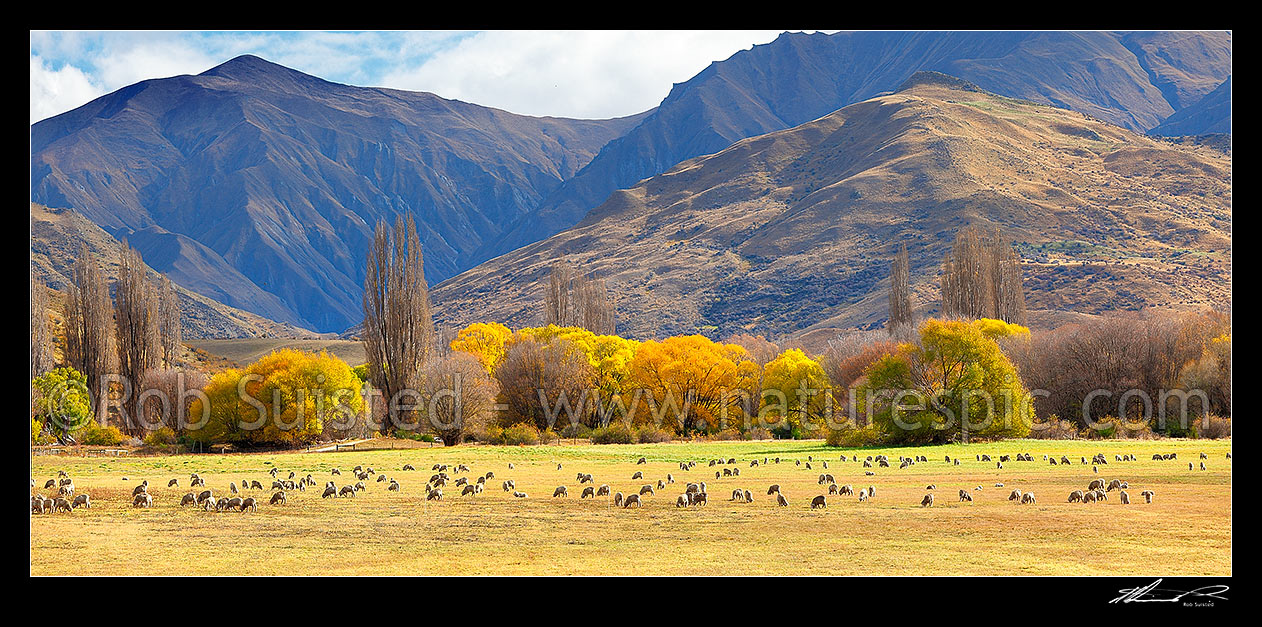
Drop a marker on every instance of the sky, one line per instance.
(580, 74)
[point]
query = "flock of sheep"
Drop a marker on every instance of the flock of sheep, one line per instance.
(694, 494)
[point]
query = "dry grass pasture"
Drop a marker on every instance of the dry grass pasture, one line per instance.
(1185, 531)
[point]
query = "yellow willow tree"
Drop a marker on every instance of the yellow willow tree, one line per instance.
(796, 397)
(691, 383)
(488, 341)
(608, 355)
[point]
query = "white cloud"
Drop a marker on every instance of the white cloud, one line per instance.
(585, 74)
(57, 91)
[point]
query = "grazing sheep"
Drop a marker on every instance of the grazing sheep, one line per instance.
(871, 491)
(617, 500)
(204, 495)
(409, 467)
(927, 501)
(140, 489)
(1095, 485)
(749, 496)
(1027, 498)
(82, 499)
(819, 502)
(232, 487)
(62, 505)
(846, 490)
(254, 485)
(381, 478)
(781, 501)
(932, 486)
(434, 495)
(641, 461)
(589, 491)
(470, 489)
(646, 489)
(1148, 494)
(491, 475)
(173, 483)
(602, 490)
(336, 472)
(520, 495)
(633, 499)
(738, 495)
(394, 486)
(681, 501)
(189, 499)
(560, 491)
(235, 502)
(509, 485)
(832, 488)
(278, 499)
(1089, 497)
(1101, 495)
(863, 495)
(637, 475)
(347, 490)
(1114, 484)
(965, 496)
(141, 499)
(773, 489)
(1075, 496)
(249, 503)
(329, 491)
(1124, 497)
(699, 498)
(50, 484)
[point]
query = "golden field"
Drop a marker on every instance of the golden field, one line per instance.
(1185, 531)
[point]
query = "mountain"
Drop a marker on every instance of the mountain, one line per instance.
(260, 185)
(794, 230)
(1134, 80)
(1211, 114)
(55, 238)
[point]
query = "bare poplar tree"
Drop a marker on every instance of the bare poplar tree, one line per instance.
(169, 323)
(557, 306)
(981, 278)
(578, 300)
(900, 293)
(139, 341)
(89, 327)
(398, 323)
(41, 334)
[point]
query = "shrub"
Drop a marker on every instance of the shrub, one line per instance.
(613, 434)
(651, 435)
(757, 433)
(513, 435)
(1053, 429)
(96, 435)
(579, 430)
(1213, 427)
(161, 437)
(854, 437)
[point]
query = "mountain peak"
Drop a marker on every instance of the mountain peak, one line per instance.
(937, 79)
(251, 67)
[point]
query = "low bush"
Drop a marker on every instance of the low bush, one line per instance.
(613, 434)
(651, 435)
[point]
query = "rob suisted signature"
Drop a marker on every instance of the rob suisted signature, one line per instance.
(1151, 593)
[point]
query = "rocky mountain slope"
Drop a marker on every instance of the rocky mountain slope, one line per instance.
(55, 238)
(260, 185)
(1135, 80)
(793, 230)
